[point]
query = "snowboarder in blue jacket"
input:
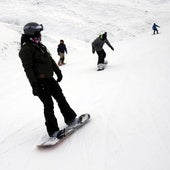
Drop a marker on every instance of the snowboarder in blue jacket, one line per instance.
(154, 27)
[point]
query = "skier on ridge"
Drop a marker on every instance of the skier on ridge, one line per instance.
(154, 28)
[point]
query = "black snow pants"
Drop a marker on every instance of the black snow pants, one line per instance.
(101, 56)
(51, 89)
(155, 30)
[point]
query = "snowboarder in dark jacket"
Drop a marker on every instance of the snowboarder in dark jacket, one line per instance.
(39, 68)
(61, 50)
(97, 45)
(154, 28)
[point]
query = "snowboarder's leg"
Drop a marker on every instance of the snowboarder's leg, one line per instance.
(101, 60)
(157, 31)
(50, 119)
(67, 112)
(101, 56)
(60, 62)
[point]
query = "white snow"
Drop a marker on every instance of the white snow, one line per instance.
(128, 101)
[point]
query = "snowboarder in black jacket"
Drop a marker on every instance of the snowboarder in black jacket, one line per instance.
(39, 68)
(61, 50)
(97, 45)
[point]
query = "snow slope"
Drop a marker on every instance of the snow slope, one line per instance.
(128, 102)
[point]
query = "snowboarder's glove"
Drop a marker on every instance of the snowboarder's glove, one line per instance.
(59, 75)
(37, 89)
(93, 50)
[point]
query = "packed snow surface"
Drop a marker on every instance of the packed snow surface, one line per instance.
(128, 101)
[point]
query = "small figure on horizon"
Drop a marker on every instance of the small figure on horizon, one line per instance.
(154, 28)
(61, 50)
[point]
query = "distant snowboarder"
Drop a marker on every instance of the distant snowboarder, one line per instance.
(97, 45)
(40, 68)
(61, 50)
(154, 28)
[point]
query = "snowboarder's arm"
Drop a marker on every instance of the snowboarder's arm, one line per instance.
(56, 70)
(58, 50)
(93, 47)
(108, 43)
(26, 56)
(65, 48)
(157, 25)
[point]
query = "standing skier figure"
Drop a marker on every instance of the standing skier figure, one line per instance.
(39, 68)
(154, 27)
(97, 45)
(61, 50)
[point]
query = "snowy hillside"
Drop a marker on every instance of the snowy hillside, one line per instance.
(128, 101)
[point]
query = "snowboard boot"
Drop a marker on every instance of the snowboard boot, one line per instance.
(105, 62)
(100, 66)
(73, 122)
(55, 134)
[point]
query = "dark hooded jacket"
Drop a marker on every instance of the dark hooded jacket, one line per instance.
(61, 48)
(97, 44)
(154, 27)
(36, 60)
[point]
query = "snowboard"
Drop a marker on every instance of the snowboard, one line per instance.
(102, 66)
(65, 132)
